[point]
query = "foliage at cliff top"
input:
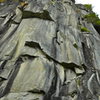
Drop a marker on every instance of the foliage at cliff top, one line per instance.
(88, 7)
(92, 17)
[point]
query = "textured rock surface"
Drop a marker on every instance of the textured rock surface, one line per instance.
(44, 55)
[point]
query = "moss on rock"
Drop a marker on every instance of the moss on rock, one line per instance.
(84, 29)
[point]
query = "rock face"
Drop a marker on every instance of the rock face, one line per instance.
(45, 55)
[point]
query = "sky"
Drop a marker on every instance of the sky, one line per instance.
(95, 4)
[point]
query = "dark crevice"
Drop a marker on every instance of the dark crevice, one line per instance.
(51, 91)
(3, 29)
(97, 27)
(53, 87)
(14, 22)
(64, 77)
(87, 55)
(27, 57)
(32, 44)
(36, 45)
(5, 90)
(54, 40)
(3, 64)
(44, 15)
(70, 65)
(53, 52)
(11, 34)
(37, 91)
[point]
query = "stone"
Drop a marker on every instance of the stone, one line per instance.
(23, 96)
(44, 55)
(34, 74)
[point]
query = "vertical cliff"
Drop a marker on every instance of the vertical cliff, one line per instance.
(48, 51)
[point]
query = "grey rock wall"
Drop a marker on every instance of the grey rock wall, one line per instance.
(44, 55)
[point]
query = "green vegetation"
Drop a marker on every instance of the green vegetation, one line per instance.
(88, 7)
(75, 45)
(52, 2)
(92, 18)
(84, 29)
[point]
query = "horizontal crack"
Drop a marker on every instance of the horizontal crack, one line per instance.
(44, 15)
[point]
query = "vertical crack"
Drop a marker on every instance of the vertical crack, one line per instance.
(5, 90)
(52, 90)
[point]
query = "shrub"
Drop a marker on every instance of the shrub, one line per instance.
(92, 18)
(84, 29)
(97, 22)
(88, 7)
